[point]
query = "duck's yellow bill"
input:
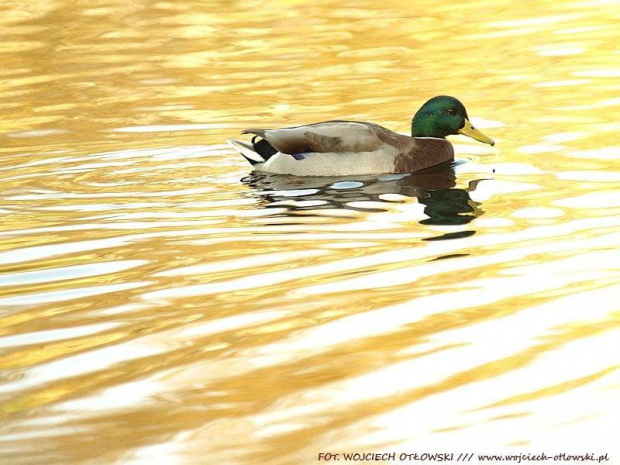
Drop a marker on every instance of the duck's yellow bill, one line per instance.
(469, 131)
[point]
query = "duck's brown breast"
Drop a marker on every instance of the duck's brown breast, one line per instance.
(423, 153)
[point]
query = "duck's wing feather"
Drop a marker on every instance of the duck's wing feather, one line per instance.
(329, 137)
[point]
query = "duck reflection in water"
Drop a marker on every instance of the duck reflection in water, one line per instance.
(434, 188)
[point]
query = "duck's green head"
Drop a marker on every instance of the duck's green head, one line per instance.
(442, 116)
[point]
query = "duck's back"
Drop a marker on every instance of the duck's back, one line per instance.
(330, 137)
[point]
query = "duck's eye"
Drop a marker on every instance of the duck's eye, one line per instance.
(451, 111)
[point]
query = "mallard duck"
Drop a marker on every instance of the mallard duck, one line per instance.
(342, 148)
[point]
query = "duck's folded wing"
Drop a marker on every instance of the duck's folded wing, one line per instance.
(333, 136)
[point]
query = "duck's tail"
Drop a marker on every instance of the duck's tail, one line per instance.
(247, 151)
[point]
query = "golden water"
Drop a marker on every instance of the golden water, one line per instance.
(161, 305)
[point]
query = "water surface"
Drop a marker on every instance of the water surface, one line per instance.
(160, 303)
